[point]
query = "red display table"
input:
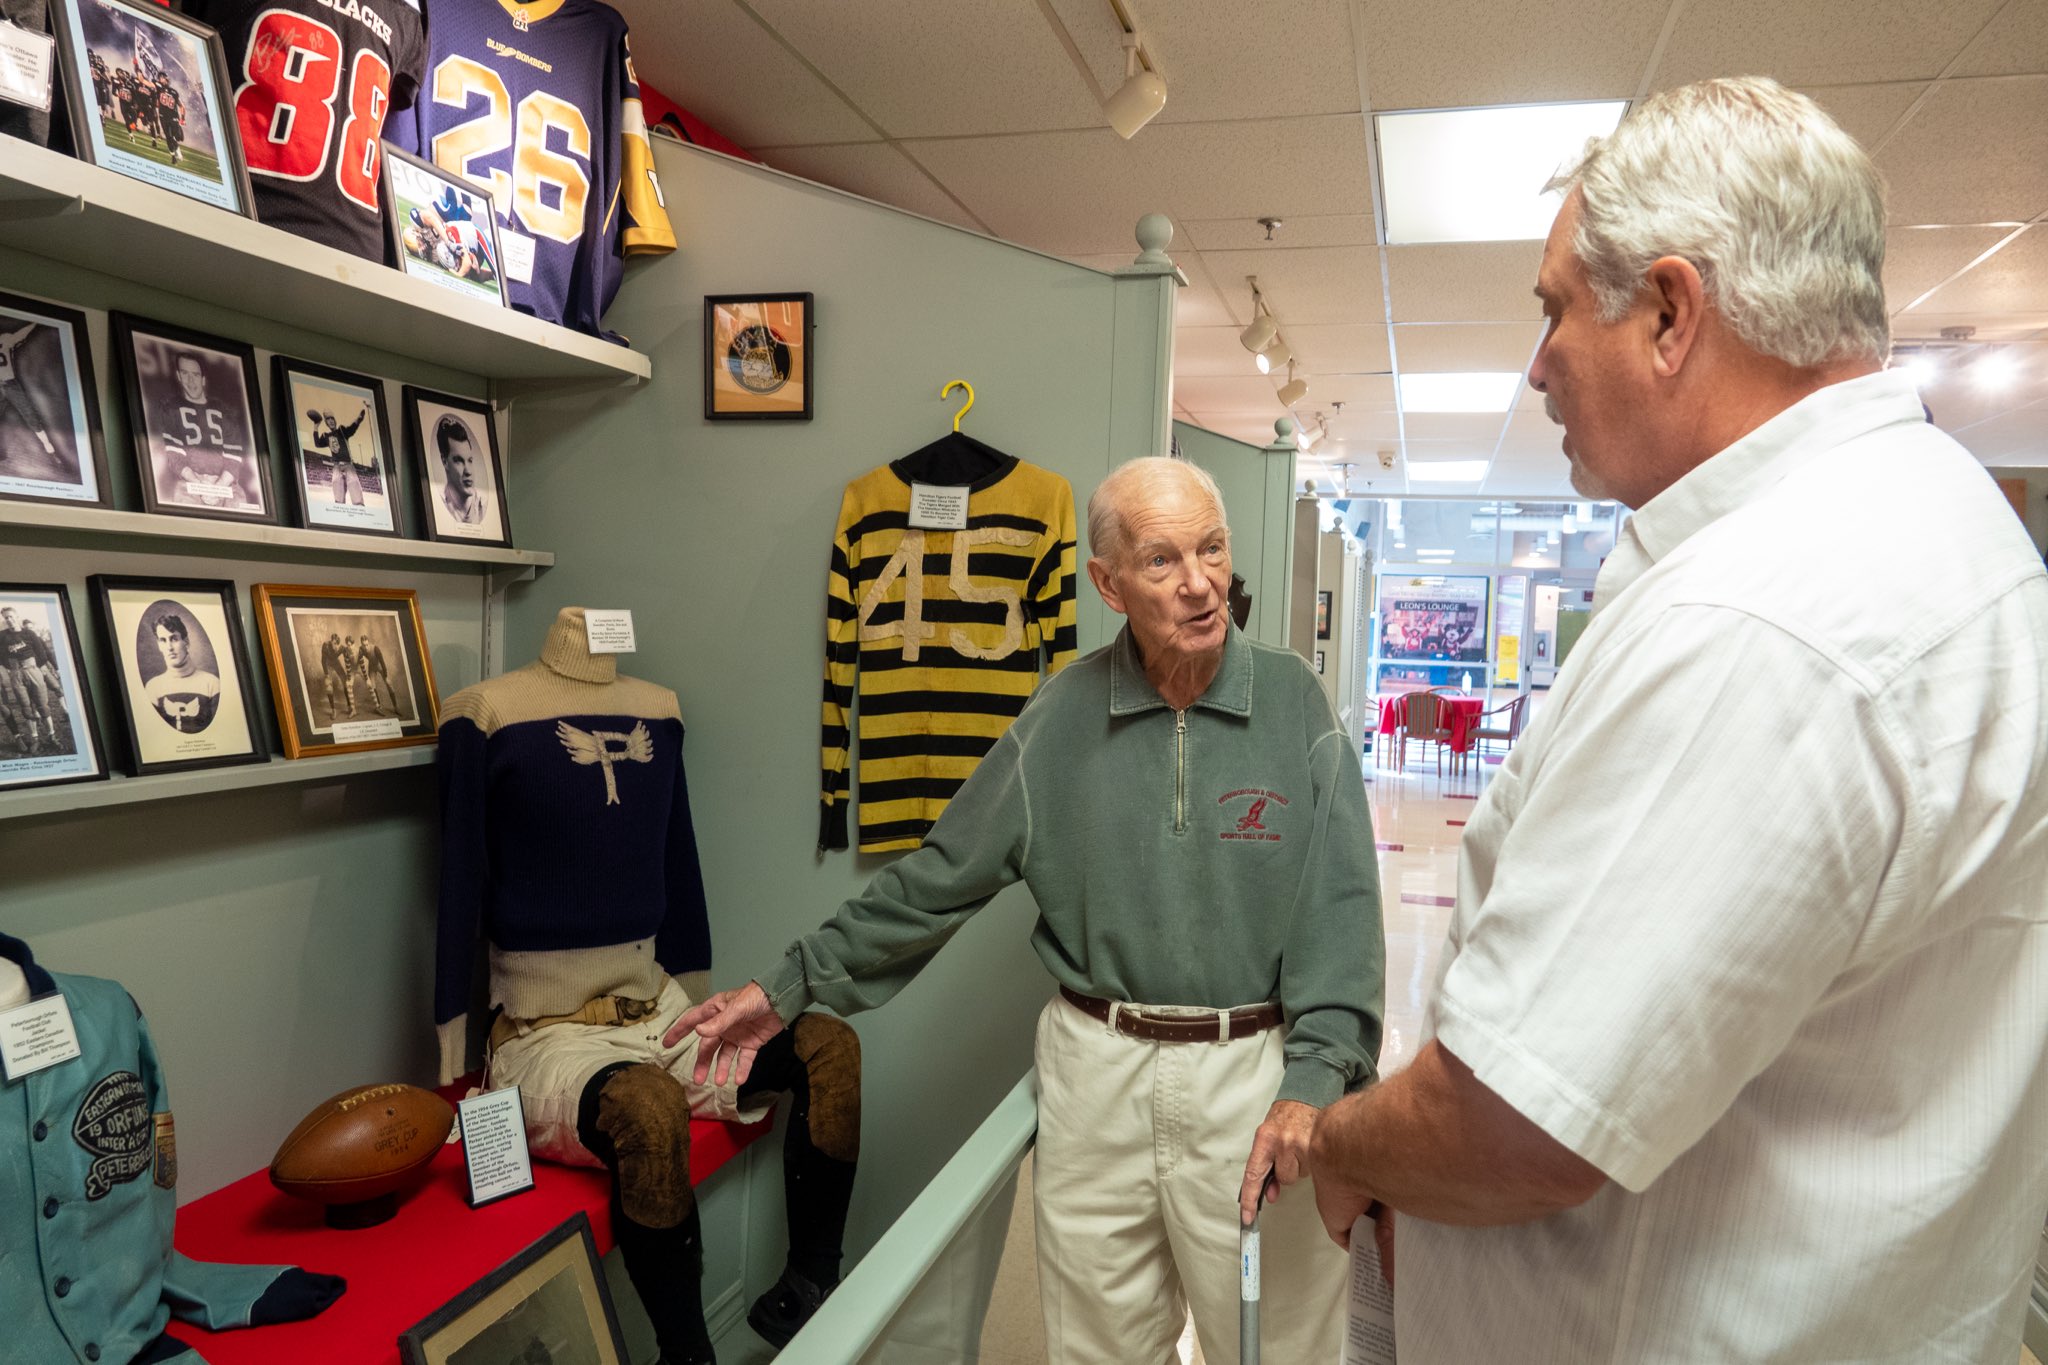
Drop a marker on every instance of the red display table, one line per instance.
(400, 1270)
(1462, 713)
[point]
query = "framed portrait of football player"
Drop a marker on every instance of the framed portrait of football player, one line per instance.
(349, 668)
(51, 449)
(454, 446)
(149, 98)
(344, 473)
(758, 357)
(194, 413)
(47, 731)
(444, 229)
(181, 676)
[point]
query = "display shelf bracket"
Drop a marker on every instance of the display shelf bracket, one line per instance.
(26, 207)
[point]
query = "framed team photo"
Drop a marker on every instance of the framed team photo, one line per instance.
(194, 415)
(348, 667)
(182, 681)
(148, 96)
(51, 449)
(758, 357)
(444, 229)
(47, 732)
(343, 469)
(462, 480)
(550, 1302)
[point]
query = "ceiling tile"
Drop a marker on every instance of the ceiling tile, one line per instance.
(1068, 193)
(874, 170)
(1340, 349)
(1204, 303)
(928, 68)
(2015, 42)
(1991, 327)
(1336, 284)
(2016, 438)
(1245, 234)
(757, 92)
(1210, 351)
(1224, 59)
(1917, 259)
(1465, 282)
(1472, 428)
(1819, 42)
(1429, 348)
(2013, 281)
(1249, 395)
(1253, 430)
(1977, 152)
(1357, 392)
(1364, 425)
(1265, 168)
(1453, 53)
(1867, 112)
(1471, 449)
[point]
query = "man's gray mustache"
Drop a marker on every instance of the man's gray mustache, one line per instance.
(1550, 410)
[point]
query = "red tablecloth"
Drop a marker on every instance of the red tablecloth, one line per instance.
(401, 1270)
(1464, 714)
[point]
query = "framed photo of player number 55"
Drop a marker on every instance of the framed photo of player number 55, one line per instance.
(196, 416)
(148, 96)
(444, 229)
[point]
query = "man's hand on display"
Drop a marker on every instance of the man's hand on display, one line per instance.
(731, 1027)
(1339, 1199)
(1279, 1155)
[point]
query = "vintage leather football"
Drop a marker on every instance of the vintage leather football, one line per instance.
(362, 1144)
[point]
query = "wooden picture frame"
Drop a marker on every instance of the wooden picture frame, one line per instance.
(44, 674)
(554, 1291)
(365, 648)
(443, 227)
(1323, 597)
(118, 58)
(182, 683)
(462, 495)
(195, 420)
(334, 487)
(50, 436)
(759, 357)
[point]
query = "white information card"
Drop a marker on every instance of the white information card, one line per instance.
(26, 66)
(609, 632)
(1369, 1316)
(37, 1035)
(364, 731)
(494, 1145)
(935, 508)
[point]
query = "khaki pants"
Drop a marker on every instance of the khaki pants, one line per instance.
(1141, 1152)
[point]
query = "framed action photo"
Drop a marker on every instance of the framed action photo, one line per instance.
(50, 444)
(444, 229)
(47, 731)
(182, 683)
(758, 358)
(148, 96)
(548, 1303)
(344, 473)
(194, 412)
(454, 446)
(348, 668)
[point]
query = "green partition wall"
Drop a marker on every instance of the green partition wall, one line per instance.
(1258, 496)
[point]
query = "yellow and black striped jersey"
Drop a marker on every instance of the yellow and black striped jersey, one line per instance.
(946, 632)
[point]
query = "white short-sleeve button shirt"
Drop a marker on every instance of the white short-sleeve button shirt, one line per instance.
(1755, 919)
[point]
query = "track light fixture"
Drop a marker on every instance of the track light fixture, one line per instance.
(1259, 335)
(1294, 390)
(1279, 353)
(1140, 98)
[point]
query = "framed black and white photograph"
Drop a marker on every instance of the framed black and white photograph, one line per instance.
(758, 357)
(454, 445)
(444, 228)
(348, 668)
(549, 1302)
(344, 472)
(50, 444)
(181, 676)
(148, 96)
(194, 414)
(47, 731)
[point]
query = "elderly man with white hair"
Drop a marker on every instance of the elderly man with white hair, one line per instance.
(1739, 1050)
(1192, 822)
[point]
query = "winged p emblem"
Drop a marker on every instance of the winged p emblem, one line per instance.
(606, 747)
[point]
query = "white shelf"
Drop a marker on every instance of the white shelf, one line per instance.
(123, 791)
(67, 210)
(287, 542)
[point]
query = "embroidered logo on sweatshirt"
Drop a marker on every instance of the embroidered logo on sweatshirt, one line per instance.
(1251, 824)
(606, 747)
(114, 1126)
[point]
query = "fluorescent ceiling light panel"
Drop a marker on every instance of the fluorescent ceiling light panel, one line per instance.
(1476, 175)
(1468, 391)
(1446, 471)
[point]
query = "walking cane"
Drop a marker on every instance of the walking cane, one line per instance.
(1248, 1289)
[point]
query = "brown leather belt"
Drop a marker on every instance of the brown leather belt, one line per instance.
(1178, 1028)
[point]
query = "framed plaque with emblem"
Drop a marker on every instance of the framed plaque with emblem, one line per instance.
(182, 683)
(759, 362)
(349, 669)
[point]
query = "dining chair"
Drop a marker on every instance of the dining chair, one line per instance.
(1509, 730)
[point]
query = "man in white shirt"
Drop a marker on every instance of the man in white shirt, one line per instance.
(1739, 1050)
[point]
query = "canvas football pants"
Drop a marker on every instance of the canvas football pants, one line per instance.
(345, 483)
(1141, 1152)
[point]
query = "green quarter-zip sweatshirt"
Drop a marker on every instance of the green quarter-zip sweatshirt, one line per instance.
(1217, 856)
